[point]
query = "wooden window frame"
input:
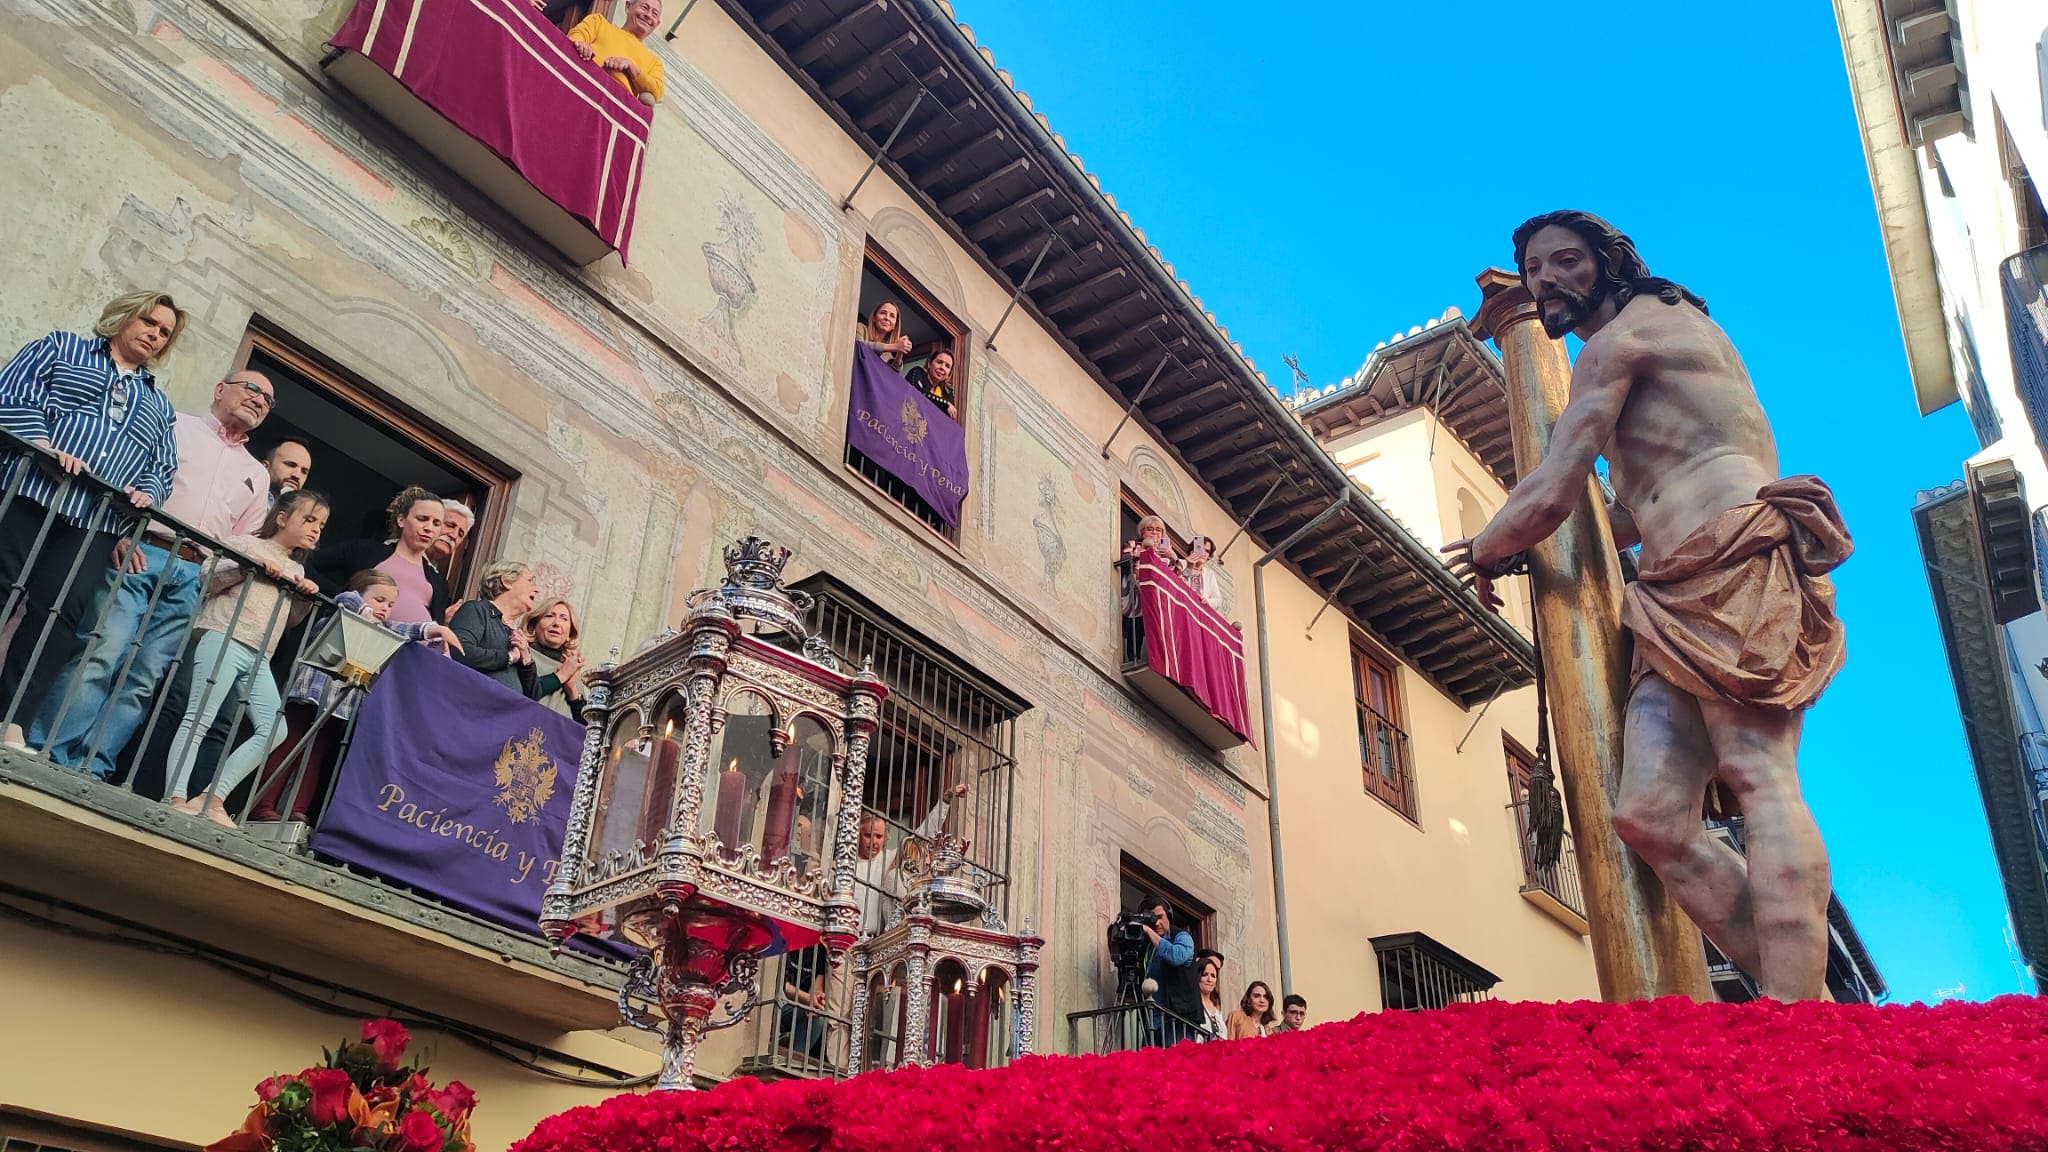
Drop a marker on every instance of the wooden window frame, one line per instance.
(1404, 795)
(1128, 500)
(913, 292)
(401, 420)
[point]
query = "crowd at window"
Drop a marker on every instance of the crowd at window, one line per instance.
(929, 369)
(1185, 999)
(174, 585)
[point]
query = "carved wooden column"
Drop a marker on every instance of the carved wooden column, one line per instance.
(1643, 945)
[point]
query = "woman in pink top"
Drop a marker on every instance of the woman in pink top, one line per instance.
(416, 521)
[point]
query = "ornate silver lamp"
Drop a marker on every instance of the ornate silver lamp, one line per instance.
(717, 813)
(946, 981)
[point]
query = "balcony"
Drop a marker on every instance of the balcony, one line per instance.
(1388, 765)
(1555, 888)
(494, 92)
(1181, 654)
(109, 846)
(1418, 974)
(1128, 1027)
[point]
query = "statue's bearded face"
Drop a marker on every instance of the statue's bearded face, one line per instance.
(1562, 273)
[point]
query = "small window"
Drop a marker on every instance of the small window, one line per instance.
(366, 447)
(1417, 974)
(29, 1132)
(1136, 881)
(931, 329)
(1383, 750)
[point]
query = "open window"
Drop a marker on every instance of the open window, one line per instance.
(931, 329)
(366, 446)
(1131, 511)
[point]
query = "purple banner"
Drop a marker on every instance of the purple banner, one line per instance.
(456, 787)
(910, 437)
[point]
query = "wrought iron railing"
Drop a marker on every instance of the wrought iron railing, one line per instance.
(1417, 973)
(1561, 879)
(1128, 1027)
(1384, 756)
(800, 1029)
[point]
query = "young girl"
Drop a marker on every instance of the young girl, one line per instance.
(370, 593)
(238, 630)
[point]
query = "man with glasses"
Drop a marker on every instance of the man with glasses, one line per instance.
(220, 490)
(91, 405)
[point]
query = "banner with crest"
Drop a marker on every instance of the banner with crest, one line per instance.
(896, 426)
(456, 787)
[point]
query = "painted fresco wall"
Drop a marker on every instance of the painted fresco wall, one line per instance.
(196, 146)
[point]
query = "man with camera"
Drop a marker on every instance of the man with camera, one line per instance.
(1171, 973)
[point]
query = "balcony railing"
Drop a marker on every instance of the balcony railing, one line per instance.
(800, 1028)
(1194, 669)
(1384, 756)
(1417, 973)
(1558, 882)
(1128, 1027)
(88, 767)
(497, 94)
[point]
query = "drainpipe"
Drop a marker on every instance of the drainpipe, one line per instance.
(1272, 753)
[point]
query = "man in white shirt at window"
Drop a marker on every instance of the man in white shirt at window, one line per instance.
(877, 876)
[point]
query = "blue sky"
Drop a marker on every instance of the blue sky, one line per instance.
(1340, 172)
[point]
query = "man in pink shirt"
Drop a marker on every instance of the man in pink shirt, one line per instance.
(219, 490)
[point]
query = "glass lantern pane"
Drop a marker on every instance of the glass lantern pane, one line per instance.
(799, 795)
(664, 778)
(622, 791)
(736, 791)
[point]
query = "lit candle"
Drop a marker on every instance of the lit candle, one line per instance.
(782, 794)
(956, 1023)
(660, 789)
(732, 797)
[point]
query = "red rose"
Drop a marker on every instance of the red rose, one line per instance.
(418, 1133)
(268, 1090)
(331, 1088)
(455, 1101)
(388, 1038)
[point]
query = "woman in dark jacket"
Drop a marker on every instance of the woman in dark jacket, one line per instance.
(416, 521)
(492, 631)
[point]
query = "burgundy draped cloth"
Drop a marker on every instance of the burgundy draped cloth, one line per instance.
(1191, 644)
(511, 80)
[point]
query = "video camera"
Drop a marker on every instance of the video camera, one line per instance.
(1128, 945)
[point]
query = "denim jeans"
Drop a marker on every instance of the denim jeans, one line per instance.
(214, 689)
(102, 713)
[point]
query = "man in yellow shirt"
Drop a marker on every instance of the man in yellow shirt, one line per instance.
(620, 51)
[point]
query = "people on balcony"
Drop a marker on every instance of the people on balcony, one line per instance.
(416, 521)
(877, 877)
(884, 333)
(220, 490)
(290, 464)
(1152, 538)
(805, 986)
(1253, 1015)
(1171, 969)
(493, 629)
(89, 404)
(1293, 1014)
(238, 631)
(456, 521)
(371, 594)
(552, 632)
(622, 51)
(934, 378)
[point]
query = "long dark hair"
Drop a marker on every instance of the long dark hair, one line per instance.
(1622, 271)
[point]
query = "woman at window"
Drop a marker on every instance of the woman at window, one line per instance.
(1195, 567)
(934, 378)
(1213, 1020)
(492, 630)
(1253, 1015)
(553, 632)
(416, 522)
(1152, 538)
(884, 333)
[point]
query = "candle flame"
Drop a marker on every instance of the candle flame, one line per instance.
(668, 729)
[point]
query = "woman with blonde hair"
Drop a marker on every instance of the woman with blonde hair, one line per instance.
(492, 630)
(551, 627)
(884, 333)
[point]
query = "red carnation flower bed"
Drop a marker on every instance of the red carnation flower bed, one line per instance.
(1663, 1075)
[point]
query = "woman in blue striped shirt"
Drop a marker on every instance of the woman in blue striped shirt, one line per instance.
(78, 407)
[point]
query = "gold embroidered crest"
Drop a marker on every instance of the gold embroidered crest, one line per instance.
(914, 426)
(526, 778)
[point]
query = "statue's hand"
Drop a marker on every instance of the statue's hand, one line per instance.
(1458, 556)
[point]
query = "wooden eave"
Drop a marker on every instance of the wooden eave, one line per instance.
(1445, 369)
(994, 174)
